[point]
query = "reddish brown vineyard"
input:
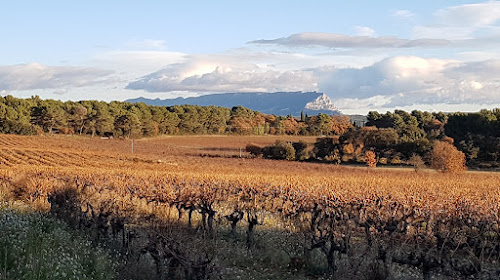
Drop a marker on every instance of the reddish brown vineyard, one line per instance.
(342, 222)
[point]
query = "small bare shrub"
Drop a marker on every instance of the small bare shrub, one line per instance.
(417, 162)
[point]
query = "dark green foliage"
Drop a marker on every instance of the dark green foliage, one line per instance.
(122, 119)
(127, 124)
(402, 133)
(254, 150)
(325, 147)
(381, 139)
(476, 134)
(300, 150)
(48, 116)
(29, 116)
(279, 150)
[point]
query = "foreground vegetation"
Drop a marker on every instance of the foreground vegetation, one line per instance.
(192, 208)
(35, 246)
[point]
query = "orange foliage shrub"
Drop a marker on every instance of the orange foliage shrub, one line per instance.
(371, 159)
(446, 157)
(448, 140)
(340, 124)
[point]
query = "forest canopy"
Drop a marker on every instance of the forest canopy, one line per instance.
(123, 119)
(392, 136)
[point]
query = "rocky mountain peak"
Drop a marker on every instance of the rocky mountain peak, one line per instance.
(323, 102)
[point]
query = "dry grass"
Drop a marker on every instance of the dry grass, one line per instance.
(216, 159)
(207, 172)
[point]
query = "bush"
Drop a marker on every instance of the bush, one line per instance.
(300, 150)
(446, 157)
(324, 147)
(280, 150)
(370, 159)
(417, 162)
(382, 160)
(254, 150)
(396, 159)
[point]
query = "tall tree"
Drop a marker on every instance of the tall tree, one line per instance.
(128, 125)
(48, 115)
(79, 117)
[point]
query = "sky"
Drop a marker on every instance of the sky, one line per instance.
(365, 55)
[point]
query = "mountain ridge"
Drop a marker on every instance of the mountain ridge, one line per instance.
(277, 103)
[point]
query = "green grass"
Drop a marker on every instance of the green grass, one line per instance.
(35, 246)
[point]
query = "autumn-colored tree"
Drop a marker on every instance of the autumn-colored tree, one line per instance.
(259, 124)
(242, 120)
(446, 157)
(340, 124)
(291, 125)
(371, 159)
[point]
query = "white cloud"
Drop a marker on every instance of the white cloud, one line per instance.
(481, 14)
(409, 80)
(38, 76)
(332, 40)
(461, 22)
(365, 31)
(243, 70)
(137, 63)
(478, 55)
(147, 44)
(214, 78)
(353, 104)
(443, 31)
(404, 14)
(60, 91)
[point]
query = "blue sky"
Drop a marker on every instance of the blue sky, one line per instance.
(366, 55)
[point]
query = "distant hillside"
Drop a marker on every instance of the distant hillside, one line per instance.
(279, 103)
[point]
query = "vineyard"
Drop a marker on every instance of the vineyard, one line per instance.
(199, 207)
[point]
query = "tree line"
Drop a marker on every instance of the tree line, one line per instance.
(123, 119)
(400, 137)
(393, 136)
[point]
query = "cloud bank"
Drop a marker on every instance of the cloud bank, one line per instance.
(392, 82)
(333, 40)
(37, 76)
(464, 22)
(218, 78)
(407, 80)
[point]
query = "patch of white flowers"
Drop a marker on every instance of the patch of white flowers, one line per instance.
(33, 246)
